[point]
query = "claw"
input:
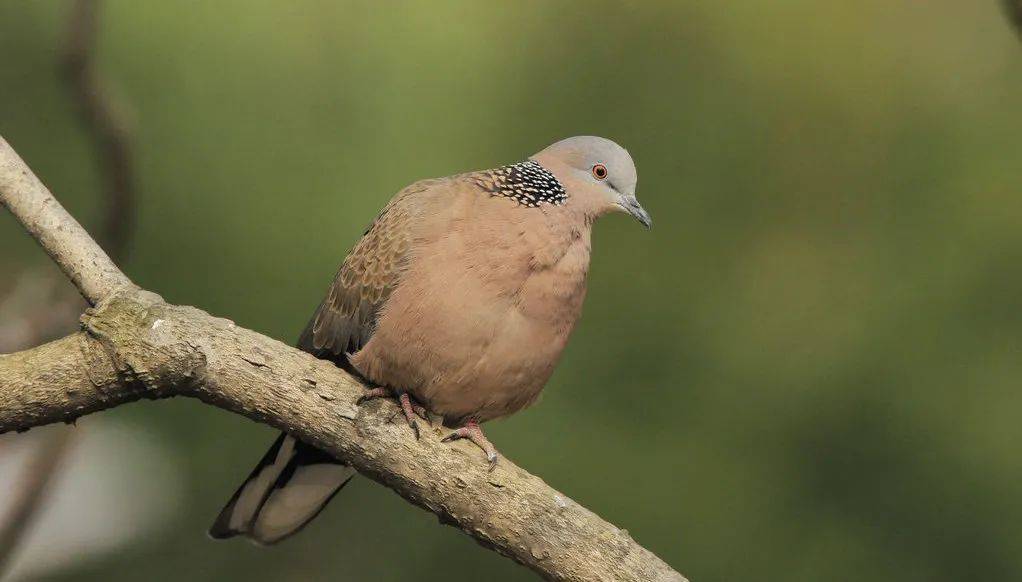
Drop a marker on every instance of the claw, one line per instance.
(377, 392)
(474, 433)
(409, 409)
(422, 413)
(451, 437)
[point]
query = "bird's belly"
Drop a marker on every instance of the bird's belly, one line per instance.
(507, 368)
(471, 349)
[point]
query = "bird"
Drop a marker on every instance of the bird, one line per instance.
(458, 300)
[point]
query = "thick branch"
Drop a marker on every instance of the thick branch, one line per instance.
(134, 346)
(58, 381)
(60, 235)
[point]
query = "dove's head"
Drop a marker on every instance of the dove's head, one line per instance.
(597, 172)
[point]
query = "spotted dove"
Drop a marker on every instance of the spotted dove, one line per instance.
(458, 300)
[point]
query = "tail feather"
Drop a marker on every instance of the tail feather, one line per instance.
(288, 488)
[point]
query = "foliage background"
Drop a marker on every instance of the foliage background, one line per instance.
(808, 370)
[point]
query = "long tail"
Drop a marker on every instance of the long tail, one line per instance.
(290, 486)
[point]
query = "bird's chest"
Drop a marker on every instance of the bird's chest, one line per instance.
(482, 317)
(551, 294)
(536, 274)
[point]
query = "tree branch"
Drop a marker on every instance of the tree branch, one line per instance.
(134, 345)
(60, 235)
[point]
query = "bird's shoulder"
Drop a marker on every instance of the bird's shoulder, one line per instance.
(346, 318)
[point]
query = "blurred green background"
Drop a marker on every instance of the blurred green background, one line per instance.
(808, 370)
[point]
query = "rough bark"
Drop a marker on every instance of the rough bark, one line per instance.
(134, 345)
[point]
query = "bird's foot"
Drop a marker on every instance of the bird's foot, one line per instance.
(412, 410)
(473, 432)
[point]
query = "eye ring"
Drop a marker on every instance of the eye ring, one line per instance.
(600, 172)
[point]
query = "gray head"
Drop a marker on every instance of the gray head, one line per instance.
(598, 170)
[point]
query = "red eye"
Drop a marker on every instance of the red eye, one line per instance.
(600, 172)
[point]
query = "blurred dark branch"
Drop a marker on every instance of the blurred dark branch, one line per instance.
(1014, 10)
(106, 126)
(134, 345)
(54, 313)
(27, 497)
(38, 308)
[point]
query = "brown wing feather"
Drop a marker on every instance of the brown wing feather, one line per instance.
(346, 319)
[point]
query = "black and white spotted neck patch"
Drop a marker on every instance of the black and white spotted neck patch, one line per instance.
(527, 183)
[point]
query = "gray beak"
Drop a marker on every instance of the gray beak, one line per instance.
(632, 206)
